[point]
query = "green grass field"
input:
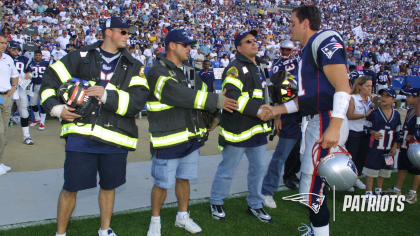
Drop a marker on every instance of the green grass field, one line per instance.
(287, 218)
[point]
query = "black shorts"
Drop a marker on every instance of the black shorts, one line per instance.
(405, 164)
(81, 169)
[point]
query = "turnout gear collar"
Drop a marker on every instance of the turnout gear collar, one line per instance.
(124, 52)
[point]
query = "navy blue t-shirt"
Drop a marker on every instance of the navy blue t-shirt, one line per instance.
(208, 78)
(290, 127)
(87, 145)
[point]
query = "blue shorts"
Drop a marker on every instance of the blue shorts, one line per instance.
(165, 171)
(81, 169)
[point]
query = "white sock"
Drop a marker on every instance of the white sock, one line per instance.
(25, 131)
(368, 192)
(413, 191)
(181, 215)
(43, 116)
(321, 231)
(104, 232)
(399, 190)
(155, 217)
(56, 234)
(402, 104)
(37, 115)
(378, 190)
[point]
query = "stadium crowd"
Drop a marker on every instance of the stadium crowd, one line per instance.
(387, 34)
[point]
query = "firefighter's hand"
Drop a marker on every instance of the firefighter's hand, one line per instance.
(230, 104)
(96, 91)
(68, 115)
(214, 126)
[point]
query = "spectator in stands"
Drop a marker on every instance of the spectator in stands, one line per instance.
(207, 76)
(224, 62)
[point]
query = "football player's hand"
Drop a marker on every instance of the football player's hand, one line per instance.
(214, 126)
(95, 91)
(378, 136)
(417, 132)
(68, 115)
(278, 125)
(230, 104)
(331, 135)
(408, 138)
(267, 112)
(28, 76)
(393, 151)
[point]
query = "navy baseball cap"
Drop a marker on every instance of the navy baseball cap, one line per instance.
(178, 35)
(14, 44)
(242, 35)
(390, 91)
(57, 45)
(411, 91)
(118, 22)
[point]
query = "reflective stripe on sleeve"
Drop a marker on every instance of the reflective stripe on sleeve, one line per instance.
(257, 93)
(234, 81)
(157, 106)
(137, 80)
(159, 86)
(242, 101)
(61, 71)
(46, 94)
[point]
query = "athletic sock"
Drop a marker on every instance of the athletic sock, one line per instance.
(181, 215)
(25, 131)
(394, 188)
(368, 192)
(56, 234)
(104, 232)
(155, 217)
(43, 117)
(323, 230)
(378, 191)
(413, 191)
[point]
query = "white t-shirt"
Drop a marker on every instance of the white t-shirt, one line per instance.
(8, 71)
(63, 41)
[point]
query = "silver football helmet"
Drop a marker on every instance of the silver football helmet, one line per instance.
(338, 169)
(413, 154)
(286, 44)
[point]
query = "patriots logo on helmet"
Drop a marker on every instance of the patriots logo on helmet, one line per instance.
(330, 49)
(352, 166)
(303, 198)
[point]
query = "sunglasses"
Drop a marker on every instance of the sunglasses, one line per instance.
(185, 45)
(249, 41)
(123, 32)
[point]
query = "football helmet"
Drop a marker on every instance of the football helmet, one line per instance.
(287, 44)
(413, 154)
(336, 169)
(73, 93)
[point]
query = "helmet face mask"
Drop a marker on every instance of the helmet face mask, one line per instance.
(286, 49)
(73, 94)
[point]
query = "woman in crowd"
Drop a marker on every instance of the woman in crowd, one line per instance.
(358, 141)
(224, 62)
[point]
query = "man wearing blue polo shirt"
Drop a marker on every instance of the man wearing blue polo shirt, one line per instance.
(207, 76)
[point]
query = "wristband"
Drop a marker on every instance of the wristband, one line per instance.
(291, 107)
(341, 104)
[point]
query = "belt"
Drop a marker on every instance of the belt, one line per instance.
(4, 93)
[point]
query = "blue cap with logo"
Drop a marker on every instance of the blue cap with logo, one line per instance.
(242, 35)
(14, 44)
(118, 22)
(411, 91)
(390, 91)
(178, 35)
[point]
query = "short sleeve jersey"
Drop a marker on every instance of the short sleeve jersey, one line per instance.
(315, 91)
(290, 66)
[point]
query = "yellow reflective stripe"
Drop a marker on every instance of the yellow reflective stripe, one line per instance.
(100, 132)
(236, 138)
(157, 106)
(159, 86)
(137, 80)
(201, 97)
(242, 101)
(169, 140)
(201, 132)
(47, 93)
(234, 81)
(257, 93)
(245, 94)
(61, 71)
(220, 148)
(123, 99)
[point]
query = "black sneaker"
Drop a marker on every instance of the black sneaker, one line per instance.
(260, 213)
(217, 212)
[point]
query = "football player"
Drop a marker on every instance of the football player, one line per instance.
(323, 100)
(384, 124)
(354, 74)
(384, 78)
(284, 62)
(38, 67)
(25, 73)
(404, 164)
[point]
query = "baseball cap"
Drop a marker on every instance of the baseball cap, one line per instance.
(412, 91)
(57, 45)
(64, 32)
(242, 35)
(14, 44)
(390, 91)
(178, 35)
(118, 22)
